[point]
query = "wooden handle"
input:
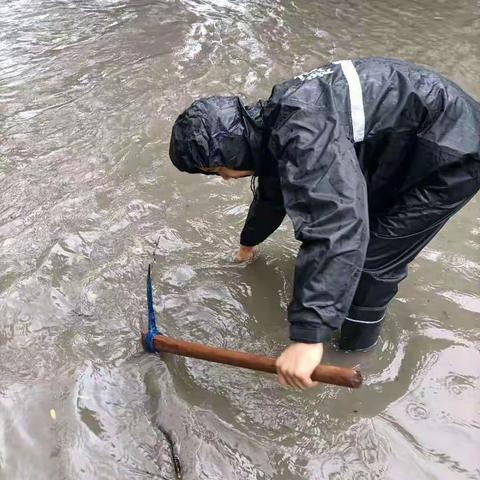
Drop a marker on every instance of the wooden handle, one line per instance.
(345, 377)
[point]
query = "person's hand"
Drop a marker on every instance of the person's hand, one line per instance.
(297, 363)
(244, 254)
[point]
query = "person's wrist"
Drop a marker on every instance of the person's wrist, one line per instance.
(313, 347)
(246, 250)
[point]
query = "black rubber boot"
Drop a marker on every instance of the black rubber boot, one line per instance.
(361, 328)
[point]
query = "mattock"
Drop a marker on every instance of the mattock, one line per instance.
(155, 341)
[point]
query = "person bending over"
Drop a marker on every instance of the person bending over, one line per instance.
(369, 158)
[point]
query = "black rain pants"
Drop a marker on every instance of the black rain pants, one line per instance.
(396, 238)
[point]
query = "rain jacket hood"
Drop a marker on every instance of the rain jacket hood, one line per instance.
(217, 132)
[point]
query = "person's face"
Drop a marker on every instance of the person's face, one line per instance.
(228, 173)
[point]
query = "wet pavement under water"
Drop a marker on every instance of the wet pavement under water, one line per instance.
(88, 92)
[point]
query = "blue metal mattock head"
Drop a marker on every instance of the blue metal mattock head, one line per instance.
(152, 324)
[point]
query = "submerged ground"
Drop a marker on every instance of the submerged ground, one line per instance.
(88, 93)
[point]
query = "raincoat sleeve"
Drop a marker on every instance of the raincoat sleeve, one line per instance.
(266, 212)
(325, 197)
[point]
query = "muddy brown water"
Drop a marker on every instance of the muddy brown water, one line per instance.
(88, 92)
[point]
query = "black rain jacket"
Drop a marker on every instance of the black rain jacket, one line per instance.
(335, 149)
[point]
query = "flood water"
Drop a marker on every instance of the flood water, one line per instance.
(88, 93)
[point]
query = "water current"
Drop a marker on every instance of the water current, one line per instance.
(88, 93)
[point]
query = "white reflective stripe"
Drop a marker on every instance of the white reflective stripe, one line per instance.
(356, 99)
(363, 321)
